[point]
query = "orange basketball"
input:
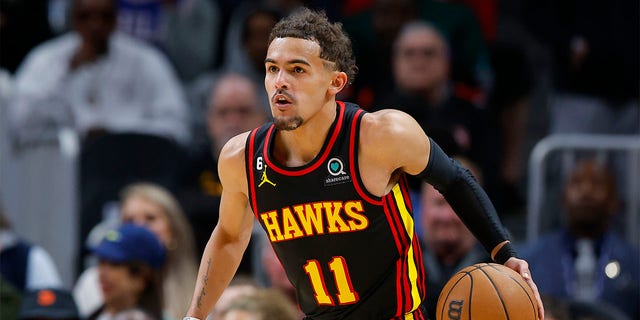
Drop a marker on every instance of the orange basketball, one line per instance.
(486, 291)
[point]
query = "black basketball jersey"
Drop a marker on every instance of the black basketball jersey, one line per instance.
(348, 253)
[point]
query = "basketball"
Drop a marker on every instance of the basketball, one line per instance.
(486, 291)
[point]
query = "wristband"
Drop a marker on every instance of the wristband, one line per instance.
(190, 318)
(502, 252)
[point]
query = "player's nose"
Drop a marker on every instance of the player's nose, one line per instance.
(281, 81)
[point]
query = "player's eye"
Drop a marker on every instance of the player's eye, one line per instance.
(298, 70)
(272, 69)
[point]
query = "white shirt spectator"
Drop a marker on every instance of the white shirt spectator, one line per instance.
(41, 271)
(130, 89)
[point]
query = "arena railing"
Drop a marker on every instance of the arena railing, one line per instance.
(568, 145)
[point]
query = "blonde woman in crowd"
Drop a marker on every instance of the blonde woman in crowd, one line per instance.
(263, 304)
(155, 208)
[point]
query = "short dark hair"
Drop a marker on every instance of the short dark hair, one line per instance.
(335, 45)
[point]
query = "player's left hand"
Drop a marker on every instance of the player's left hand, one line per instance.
(522, 267)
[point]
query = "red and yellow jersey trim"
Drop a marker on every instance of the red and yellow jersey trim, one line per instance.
(410, 270)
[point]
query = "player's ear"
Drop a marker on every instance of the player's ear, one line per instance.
(338, 82)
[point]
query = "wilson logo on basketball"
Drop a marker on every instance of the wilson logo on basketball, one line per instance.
(455, 309)
(486, 291)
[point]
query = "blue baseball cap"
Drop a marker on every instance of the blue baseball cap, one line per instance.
(130, 243)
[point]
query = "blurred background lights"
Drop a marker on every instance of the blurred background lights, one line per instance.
(612, 270)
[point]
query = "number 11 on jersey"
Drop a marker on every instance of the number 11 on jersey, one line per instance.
(338, 266)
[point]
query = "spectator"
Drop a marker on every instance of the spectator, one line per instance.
(448, 245)
(264, 304)
(95, 80)
(374, 30)
(471, 70)
(238, 18)
(186, 30)
(23, 266)
(421, 62)
(155, 208)
(131, 258)
(241, 285)
(247, 60)
(586, 260)
(247, 35)
(48, 304)
(234, 107)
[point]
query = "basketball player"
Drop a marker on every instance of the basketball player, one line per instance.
(326, 180)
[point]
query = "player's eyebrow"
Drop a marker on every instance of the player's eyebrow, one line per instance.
(293, 61)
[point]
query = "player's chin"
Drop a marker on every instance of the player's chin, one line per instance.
(287, 123)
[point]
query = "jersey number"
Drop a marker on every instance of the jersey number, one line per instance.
(338, 266)
(259, 164)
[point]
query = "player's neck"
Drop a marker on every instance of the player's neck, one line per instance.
(300, 146)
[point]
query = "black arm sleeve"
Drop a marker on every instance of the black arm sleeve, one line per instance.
(468, 199)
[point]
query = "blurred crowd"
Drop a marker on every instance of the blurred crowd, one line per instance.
(144, 94)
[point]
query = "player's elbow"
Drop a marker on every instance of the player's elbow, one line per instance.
(223, 236)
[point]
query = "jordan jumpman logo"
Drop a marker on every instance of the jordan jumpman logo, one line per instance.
(264, 179)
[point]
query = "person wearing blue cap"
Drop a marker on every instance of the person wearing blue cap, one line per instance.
(130, 261)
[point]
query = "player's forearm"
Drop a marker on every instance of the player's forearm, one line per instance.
(219, 263)
(474, 208)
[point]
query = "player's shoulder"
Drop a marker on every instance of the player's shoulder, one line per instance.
(387, 123)
(233, 151)
(394, 139)
(231, 165)
(388, 115)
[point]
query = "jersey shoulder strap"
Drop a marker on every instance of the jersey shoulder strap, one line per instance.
(255, 142)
